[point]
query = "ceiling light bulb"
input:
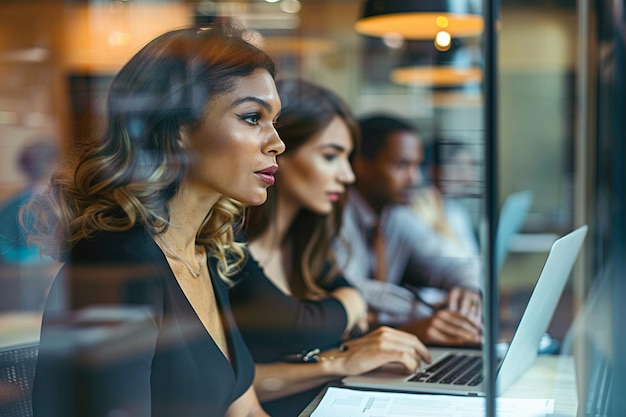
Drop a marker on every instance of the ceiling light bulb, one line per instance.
(393, 40)
(290, 6)
(443, 40)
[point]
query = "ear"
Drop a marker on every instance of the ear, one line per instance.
(183, 135)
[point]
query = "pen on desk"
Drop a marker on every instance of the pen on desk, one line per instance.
(418, 297)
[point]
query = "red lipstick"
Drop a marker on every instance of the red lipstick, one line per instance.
(267, 175)
(334, 197)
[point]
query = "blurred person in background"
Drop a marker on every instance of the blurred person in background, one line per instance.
(36, 161)
(302, 321)
(411, 277)
(143, 221)
(450, 173)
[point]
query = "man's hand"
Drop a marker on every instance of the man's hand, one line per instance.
(446, 327)
(466, 302)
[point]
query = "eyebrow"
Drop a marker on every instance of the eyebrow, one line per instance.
(262, 102)
(333, 146)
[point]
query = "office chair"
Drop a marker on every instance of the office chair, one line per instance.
(17, 371)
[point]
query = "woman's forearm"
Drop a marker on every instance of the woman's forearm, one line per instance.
(281, 379)
(355, 306)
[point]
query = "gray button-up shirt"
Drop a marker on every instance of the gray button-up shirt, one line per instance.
(416, 255)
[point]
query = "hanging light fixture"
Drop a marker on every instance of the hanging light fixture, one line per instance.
(428, 66)
(440, 76)
(420, 19)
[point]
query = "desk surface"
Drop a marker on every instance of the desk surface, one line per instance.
(19, 327)
(551, 377)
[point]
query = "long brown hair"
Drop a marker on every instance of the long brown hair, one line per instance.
(128, 177)
(307, 110)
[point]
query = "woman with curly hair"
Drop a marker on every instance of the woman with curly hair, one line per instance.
(143, 221)
(302, 321)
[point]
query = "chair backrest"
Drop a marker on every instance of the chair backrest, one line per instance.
(17, 371)
(512, 217)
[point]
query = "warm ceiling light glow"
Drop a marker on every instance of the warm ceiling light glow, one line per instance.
(419, 25)
(420, 19)
(436, 76)
(443, 40)
(393, 40)
(103, 41)
(290, 6)
(117, 38)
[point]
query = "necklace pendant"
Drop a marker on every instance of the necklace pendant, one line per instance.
(176, 256)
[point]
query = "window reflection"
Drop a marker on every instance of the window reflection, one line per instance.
(57, 58)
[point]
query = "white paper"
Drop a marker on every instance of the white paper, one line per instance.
(344, 402)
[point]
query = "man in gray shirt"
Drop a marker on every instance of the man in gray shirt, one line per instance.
(410, 276)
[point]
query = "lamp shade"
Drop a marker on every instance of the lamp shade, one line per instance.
(432, 68)
(420, 19)
(436, 76)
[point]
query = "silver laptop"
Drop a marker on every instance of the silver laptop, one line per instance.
(459, 378)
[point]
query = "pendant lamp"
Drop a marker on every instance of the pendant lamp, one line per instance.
(436, 76)
(420, 19)
(424, 65)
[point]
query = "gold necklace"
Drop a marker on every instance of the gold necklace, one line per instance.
(175, 255)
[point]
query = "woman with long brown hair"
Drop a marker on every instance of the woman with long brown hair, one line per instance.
(298, 315)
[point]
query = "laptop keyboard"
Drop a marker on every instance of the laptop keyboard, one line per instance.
(456, 369)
